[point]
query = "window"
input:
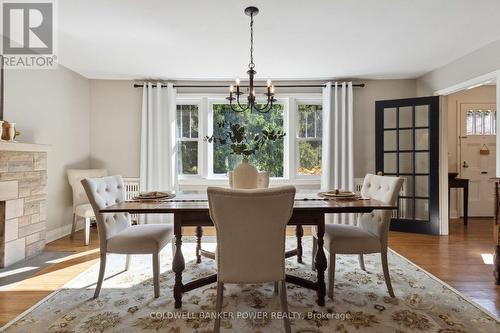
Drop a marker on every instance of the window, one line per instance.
(187, 139)
(309, 137)
(294, 158)
(481, 122)
(269, 157)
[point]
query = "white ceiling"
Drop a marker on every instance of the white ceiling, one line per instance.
(294, 39)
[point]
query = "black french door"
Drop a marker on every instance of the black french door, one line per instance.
(407, 145)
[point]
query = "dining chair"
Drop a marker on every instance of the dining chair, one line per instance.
(243, 218)
(117, 235)
(81, 206)
(262, 180)
(369, 235)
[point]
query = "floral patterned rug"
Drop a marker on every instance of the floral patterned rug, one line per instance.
(362, 304)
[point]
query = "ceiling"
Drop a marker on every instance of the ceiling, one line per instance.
(294, 39)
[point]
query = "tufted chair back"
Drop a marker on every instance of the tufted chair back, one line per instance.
(75, 177)
(250, 228)
(385, 189)
(262, 179)
(104, 192)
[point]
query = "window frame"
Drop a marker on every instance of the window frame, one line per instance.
(205, 176)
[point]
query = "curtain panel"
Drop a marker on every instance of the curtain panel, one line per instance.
(158, 168)
(337, 162)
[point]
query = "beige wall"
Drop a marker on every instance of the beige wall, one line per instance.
(115, 118)
(115, 122)
(52, 107)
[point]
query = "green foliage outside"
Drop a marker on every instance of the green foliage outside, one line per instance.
(269, 157)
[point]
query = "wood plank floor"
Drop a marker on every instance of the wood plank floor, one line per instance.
(456, 259)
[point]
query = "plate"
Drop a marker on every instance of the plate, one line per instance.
(338, 194)
(154, 195)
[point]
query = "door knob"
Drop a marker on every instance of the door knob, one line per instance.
(465, 165)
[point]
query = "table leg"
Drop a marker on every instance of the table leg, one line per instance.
(466, 204)
(299, 232)
(178, 261)
(199, 235)
(320, 261)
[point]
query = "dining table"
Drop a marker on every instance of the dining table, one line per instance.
(190, 209)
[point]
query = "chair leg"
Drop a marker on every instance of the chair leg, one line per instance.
(73, 227)
(362, 262)
(156, 274)
(314, 249)
(276, 287)
(387, 277)
(284, 306)
(331, 275)
(102, 268)
(128, 258)
(218, 306)
(87, 231)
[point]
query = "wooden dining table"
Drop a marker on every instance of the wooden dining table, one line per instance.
(190, 209)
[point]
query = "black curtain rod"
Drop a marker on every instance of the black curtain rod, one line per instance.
(360, 85)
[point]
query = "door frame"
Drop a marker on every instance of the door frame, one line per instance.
(443, 142)
(434, 187)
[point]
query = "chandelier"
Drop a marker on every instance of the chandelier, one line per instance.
(251, 104)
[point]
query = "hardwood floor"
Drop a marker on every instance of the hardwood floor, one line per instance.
(455, 259)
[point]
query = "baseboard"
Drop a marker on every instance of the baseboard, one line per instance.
(57, 233)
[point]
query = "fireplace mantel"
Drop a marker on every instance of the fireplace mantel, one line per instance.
(23, 200)
(23, 146)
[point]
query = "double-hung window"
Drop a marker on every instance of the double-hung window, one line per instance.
(187, 135)
(293, 158)
(309, 138)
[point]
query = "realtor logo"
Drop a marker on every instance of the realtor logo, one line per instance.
(28, 34)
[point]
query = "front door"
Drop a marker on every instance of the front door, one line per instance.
(477, 155)
(407, 146)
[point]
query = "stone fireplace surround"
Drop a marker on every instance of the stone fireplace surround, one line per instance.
(23, 200)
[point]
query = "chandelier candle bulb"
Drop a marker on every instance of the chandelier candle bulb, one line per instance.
(272, 89)
(237, 82)
(268, 83)
(231, 89)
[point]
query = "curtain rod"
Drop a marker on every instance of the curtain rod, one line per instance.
(360, 85)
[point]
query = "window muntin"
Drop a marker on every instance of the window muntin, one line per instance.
(187, 139)
(309, 138)
(480, 122)
(269, 158)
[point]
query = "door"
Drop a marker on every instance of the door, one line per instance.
(407, 145)
(477, 155)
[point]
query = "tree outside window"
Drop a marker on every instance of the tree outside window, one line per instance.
(309, 138)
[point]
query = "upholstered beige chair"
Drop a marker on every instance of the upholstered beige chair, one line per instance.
(371, 232)
(242, 219)
(117, 235)
(262, 180)
(81, 206)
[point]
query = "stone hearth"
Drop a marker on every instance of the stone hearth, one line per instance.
(23, 200)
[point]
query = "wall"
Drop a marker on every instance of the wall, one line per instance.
(52, 107)
(115, 118)
(475, 64)
(115, 122)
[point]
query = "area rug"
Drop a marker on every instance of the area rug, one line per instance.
(361, 302)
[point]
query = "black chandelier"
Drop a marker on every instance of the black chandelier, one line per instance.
(251, 99)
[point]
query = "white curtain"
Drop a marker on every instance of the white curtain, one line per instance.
(158, 169)
(337, 170)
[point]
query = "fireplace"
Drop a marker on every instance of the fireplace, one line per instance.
(23, 200)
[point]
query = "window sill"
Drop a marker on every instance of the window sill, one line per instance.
(197, 182)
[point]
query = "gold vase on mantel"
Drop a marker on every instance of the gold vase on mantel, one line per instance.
(8, 131)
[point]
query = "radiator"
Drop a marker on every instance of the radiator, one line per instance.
(132, 190)
(358, 184)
